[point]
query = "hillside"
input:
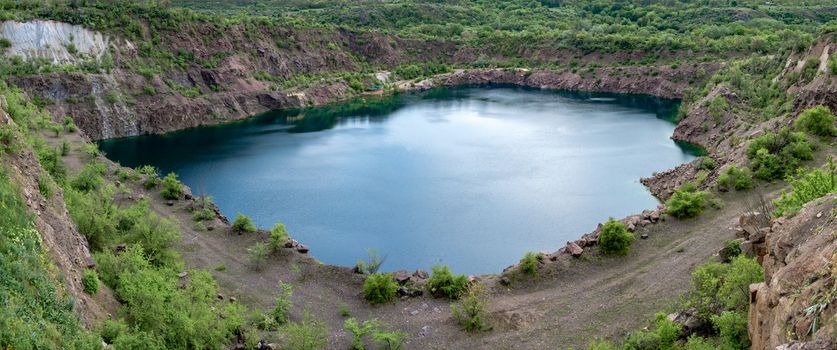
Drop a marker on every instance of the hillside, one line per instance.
(740, 254)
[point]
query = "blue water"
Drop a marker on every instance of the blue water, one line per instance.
(469, 177)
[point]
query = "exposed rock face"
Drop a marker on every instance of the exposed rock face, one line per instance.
(65, 245)
(799, 266)
(60, 43)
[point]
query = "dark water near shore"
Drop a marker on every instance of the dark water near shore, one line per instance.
(469, 177)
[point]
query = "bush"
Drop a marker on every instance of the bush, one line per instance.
(732, 328)
(172, 189)
(306, 335)
(444, 283)
(90, 281)
(243, 223)
(732, 248)
(529, 263)
(805, 187)
(686, 202)
(90, 177)
(664, 336)
(278, 236)
(379, 288)
(283, 303)
(614, 237)
(390, 340)
(718, 287)
(471, 312)
(373, 264)
(359, 331)
(152, 178)
(817, 121)
(774, 155)
(707, 163)
(736, 178)
(258, 254)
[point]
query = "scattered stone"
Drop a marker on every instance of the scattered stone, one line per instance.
(425, 331)
(170, 203)
(473, 279)
(505, 281)
(574, 250)
(210, 228)
(409, 292)
(819, 215)
(655, 216)
(182, 274)
(631, 227)
(263, 345)
(421, 274)
(220, 296)
(644, 236)
(401, 276)
(291, 243)
(91, 263)
(689, 321)
(120, 248)
(188, 196)
(302, 248)
(233, 299)
(414, 312)
(644, 222)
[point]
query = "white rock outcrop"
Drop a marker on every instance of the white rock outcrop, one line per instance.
(60, 43)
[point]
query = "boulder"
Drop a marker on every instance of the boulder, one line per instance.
(505, 281)
(644, 236)
(291, 243)
(401, 276)
(182, 274)
(631, 227)
(689, 321)
(421, 274)
(302, 248)
(408, 292)
(655, 216)
(574, 250)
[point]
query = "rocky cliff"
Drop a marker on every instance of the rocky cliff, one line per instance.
(793, 308)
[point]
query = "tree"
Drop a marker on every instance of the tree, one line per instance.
(817, 121)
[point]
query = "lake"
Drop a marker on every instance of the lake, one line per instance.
(472, 177)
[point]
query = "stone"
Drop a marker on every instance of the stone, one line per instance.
(689, 321)
(655, 216)
(473, 279)
(505, 281)
(264, 345)
(401, 276)
(631, 227)
(291, 243)
(182, 274)
(574, 250)
(210, 228)
(408, 292)
(644, 236)
(91, 263)
(220, 296)
(356, 269)
(747, 248)
(120, 248)
(421, 274)
(233, 299)
(645, 222)
(170, 203)
(425, 331)
(759, 236)
(302, 248)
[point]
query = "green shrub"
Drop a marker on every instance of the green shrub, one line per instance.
(817, 121)
(359, 331)
(243, 223)
(614, 237)
(372, 264)
(283, 303)
(707, 163)
(172, 189)
(152, 177)
(471, 312)
(686, 202)
(90, 281)
(65, 148)
(90, 177)
(444, 283)
(258, 254)
(9, 140)
(805, 187)
(379, 288)
(278, 236)
(774, 155)
(389, 340)
(601, 345)
(529, 263)
(719, 287)
(732, 328)
(736, 178)
(732, 248)
(306, 334)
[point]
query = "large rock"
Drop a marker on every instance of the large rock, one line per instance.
(689, 321)
(573, 249)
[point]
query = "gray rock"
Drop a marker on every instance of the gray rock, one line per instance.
(505, 281)
(421, 274)
(574, 250)
(302, 248)
(401, 276)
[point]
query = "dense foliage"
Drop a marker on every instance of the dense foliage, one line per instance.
(736, 178)
(817, 121)
(777, 154)
(442, 282)
(379, 288)
(807, 186)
